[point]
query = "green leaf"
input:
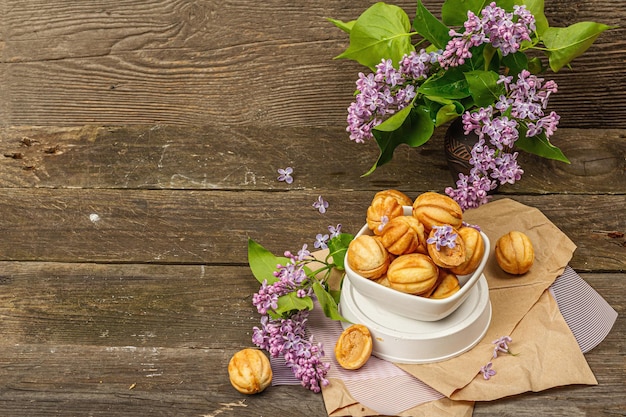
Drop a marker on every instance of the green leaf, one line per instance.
(327, 302)
(454, 12)
(291, 302)
(484, 87)
(430, 27)
(337, 248)
(448, 112)
(381, 32)
(415, 130)
(262, 262)
(515, 62)
(451, 84)
(535, 66)
(565, 44)
(539, 145)
(345, 26)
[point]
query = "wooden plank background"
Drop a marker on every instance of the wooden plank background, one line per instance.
(139, 146)
(232, 63)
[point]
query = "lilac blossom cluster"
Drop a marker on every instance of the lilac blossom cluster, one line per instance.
(443, 236)
(287, 336)
(492, 162)
(385, 92)
(504, 31)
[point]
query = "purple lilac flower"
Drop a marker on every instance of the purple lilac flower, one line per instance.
(287, 337)
(501, 30)
(502, 345)
(384, 92)
(285, 175)
(416, 65)
(334, 231)
(505, 31)
(487, 371)
(383, 222)
(458, 48)
(471, 191)
(303, 253)
(473, 226)
(321, 204)
(321, 241)
(507, 170)
(443, 236)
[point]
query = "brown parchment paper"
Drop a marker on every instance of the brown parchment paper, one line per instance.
(547, 354)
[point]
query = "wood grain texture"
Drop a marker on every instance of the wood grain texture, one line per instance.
(139, 148)
(246, 158)
(153, 339)
(198, 227)
(186, 62)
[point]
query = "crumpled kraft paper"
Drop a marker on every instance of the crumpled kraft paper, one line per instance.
(339, 403)
(547, 354)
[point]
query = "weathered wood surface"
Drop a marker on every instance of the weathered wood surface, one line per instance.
(233, 63)
(139, 143)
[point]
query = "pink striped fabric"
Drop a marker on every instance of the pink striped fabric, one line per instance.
(587, 314)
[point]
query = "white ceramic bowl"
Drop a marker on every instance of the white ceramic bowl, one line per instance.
(413, 306)
(403, 340)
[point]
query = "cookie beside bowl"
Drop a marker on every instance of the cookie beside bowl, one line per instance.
(409, 305)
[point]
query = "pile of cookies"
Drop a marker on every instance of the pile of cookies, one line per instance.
(404, 251)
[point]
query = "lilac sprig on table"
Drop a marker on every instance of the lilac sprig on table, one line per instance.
(289, 287)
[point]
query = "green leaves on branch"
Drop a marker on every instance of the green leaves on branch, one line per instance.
(431, 28)
(412, 126)
(539, 145)
(263, 264)
(565, 44)
(381, 32)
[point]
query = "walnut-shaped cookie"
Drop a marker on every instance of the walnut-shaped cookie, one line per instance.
(249, 371)
(404, 234)
(445, 246)
(474, 250)
(402, 198)
(434, 209)
(448, 285)
(381, 210)
(514, 253)
(354, 347)
(368, 257)
(414, 273)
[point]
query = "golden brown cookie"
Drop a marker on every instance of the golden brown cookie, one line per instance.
(446, 256)
(448, 285)
(354, 347)
(514, 253)
(250, 371)
(404, 234)
(402, 198)
(434, 209)
(414, 273)
(382, 210)
(474, 251)
(368, 257)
